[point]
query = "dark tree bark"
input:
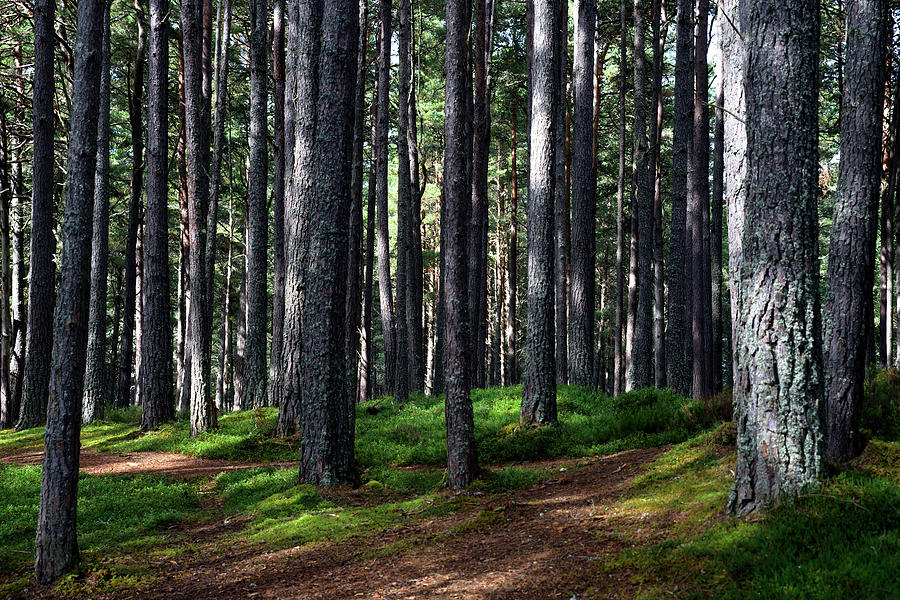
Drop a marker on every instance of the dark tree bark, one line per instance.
(42, 271)
(385, 294)
(95, 385)
(678, 375)
(461, 458)
(9, 409)
(367, 355)
(717, 203)
(183, 372)
(478, 229)
(660, 32)
(203, 416)
(404, 200)
(779, 417)
(224, 388)
(887, 251)
(560, 193)
(698, 217)
(135, 210)
(56, 546)
(641, 374)
(512, 257)
(582, 289)
(354, 248)
(322, 53)
(416, 283)
(157, 386)
(278, 184)
(539, 392)
(255, 385)
(851, 260)
(619, 352)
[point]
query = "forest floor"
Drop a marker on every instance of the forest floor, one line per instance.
(585, 510)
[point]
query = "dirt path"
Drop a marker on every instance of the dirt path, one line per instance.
(177, 466)
(542, 542)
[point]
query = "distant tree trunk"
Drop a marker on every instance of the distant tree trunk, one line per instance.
(135, 209)
(42, 271)
(641, 375)
(461, 458)
(619, 351)
(18, 283)
(888, 252)
(660, 32)
(8, 404)
(677, 374)
(157, 387)
(698, 217)
(780, 431)
(404, 200)
(138, 315)
(255, 384)
(512, 257)
(322, 57)
(560, 194)
(367, 355)
(381, 181)
(581, 303)
(95, 386)
(715, 229)
(56, 546)
(416, 284)
(354, 248)
(539, 392)
(224, 389)
(851, 260)
(203, 416)
(278, 184)
(183, 373)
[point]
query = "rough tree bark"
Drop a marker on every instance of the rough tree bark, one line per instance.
(619, 354)
(780, 429)
(404, 200)
(851, 259)
(278, 185)
(461, 457)
(157, 388)
(539, 391)
(582, 288)
(660, 32)
(56, 546)
(717, 204)
(560, 194)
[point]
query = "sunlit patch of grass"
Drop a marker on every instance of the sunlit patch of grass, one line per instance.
(839, 541)
(115, 513)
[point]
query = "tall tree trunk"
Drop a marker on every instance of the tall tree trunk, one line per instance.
(276, 350)
(561, 197)
(851, 259)
(135, 209)
(95, 385)
(354, 248)
(416, 283)
(184, 350)
(581, 303)
(385, 294)
(887, 255)
(512, 256)
(677, 374)
(56, 546)
(404, 200)
(461, 458)
(698, 217)
(42, 271)
(157, 386)
(660, 32)
(641, 375)
(323, 52)
(715, 230)
(255, 384)
(780, 432)
(367, 355)
(619, 351)
(539, 392)
(18, 268)
(224, 390)
(203, 416)
(8, 406)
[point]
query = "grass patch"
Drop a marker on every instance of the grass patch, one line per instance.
(114, 513)
(841, 541)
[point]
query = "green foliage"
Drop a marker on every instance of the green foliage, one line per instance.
(114, 512)
(881, 407)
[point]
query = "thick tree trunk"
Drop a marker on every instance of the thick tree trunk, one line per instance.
(385, 294)
(203, 415)
(157, 387)
(539, 392)
(255, 385)
(851, 259)
(56, 546)
(278, 184)
(416, 283)
(95, 386)
(619, 351)
(461, 458)
(404, 200)
(42, 271)
(560, 194)
(780, 429)
(660, 32)
(678, 374)
(641, 374)
(582, 290)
